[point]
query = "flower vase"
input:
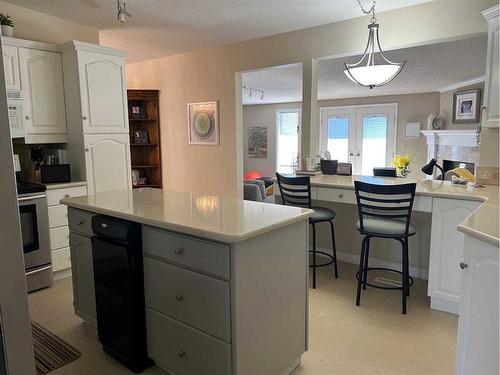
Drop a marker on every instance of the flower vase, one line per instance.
(404, 172)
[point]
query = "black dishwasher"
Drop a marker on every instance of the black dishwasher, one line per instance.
(119, 290)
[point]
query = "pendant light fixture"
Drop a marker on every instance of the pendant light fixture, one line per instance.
(366, 72)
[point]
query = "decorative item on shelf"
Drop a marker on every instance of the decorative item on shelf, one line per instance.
(141, 136)
(466, 106)
(257, 142)
(412, 130)
(437, 122)
(135, 177)
(203, 123)
(142, 181)
(137, 110)
(365, 71)
(7, 25)
(402, 163)
(344, 169)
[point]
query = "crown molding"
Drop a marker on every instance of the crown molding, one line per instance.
(458, 85)
(491, 12)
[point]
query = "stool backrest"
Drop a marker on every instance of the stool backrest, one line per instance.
(295, 191)
(385, 202)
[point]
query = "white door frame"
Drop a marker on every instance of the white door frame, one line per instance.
(354, 112)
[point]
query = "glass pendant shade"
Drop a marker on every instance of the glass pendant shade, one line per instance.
(366, 72)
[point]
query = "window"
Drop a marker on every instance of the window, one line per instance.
(361, 135)
(287, 140)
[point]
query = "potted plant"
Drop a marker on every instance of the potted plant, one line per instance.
(7, 25)
(402, 163)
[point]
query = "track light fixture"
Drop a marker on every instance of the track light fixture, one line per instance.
(122, 11)
(251, 90)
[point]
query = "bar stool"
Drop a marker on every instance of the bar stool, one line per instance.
(384, 212)
(296, 191)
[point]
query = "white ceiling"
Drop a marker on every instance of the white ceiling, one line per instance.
(166, 27)
(428, 68)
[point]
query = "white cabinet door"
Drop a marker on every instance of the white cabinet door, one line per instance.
(447, 251)
(491, 115)
(107, 159)
(477, 348)
(103, 93)
(11, 67)
(42, 85)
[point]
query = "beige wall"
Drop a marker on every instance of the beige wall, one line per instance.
(210, 75)
(32, 25)
(446, 107)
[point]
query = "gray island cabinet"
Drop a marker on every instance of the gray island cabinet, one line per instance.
(225, 280)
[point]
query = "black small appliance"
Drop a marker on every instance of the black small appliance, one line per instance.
(119, 291)
(53, 173)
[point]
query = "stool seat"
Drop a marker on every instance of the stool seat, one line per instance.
(386, 227)
(322, 214)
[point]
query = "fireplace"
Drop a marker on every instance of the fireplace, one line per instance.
(448, 165)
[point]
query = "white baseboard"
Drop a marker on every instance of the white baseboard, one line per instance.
(343, 256)
(62, 274)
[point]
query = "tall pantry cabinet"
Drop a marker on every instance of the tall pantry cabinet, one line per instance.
(96, 108)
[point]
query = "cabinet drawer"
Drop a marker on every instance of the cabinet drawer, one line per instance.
(336, 195)
(183, 350)
(80, 221)
(198, 300)
(61, 259)
(54, 196)
(59, 237)
(210, 257)
(58, 216)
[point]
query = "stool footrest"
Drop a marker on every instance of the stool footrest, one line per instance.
(387, 270)
(324, 254)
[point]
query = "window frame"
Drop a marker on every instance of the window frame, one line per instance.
(277, 128)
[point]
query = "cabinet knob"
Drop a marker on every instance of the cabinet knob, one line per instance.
(87, 149)
(351, 154)
(27, 117)
(358, 154)
(341, 196)
(80, 222)
(483, 107)
(84, 117)
(463, 265)
(178, 251)
(67, 195)
(179, 298)
(181, 354)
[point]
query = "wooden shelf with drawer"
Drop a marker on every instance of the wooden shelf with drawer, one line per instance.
(145, 154)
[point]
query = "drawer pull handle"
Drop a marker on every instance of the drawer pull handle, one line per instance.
(463, 265)
(181, 354)
(341, 196)
(67, 195)
(179, 298)
(80, 222)
(178, 251)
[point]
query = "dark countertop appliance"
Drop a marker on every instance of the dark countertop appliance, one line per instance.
(119, 290)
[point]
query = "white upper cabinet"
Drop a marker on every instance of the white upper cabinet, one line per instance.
(103, 93)
(491, 113)
(107, 161)
(43, 90)
(11, 67)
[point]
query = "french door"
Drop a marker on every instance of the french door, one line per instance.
(364, 136)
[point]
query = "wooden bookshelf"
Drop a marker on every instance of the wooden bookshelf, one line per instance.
(145, 154)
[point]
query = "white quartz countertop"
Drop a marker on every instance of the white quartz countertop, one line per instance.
(212, 217)
(483, 224)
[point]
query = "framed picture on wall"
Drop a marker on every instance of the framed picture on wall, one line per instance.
(203, 123)
(257, 142)
(467, 106)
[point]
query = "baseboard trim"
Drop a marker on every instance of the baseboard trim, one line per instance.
(444, 305)
(62, 274)
(344, 256)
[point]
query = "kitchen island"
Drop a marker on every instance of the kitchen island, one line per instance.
(225, 280)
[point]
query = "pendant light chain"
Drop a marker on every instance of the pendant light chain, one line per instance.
(371, 10)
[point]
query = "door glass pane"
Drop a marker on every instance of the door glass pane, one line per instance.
(29, 227)
(374, 147)
(338, 138)
(288, 141)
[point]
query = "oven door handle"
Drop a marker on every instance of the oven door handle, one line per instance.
(23, 199)
(38, 270)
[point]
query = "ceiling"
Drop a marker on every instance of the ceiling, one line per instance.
(428, 68)
(165, 27)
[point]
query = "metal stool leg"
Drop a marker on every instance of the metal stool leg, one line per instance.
(367, 255)
(405, 276)
(334, 249)
(360, 273)
(314, 256)
(407, 267)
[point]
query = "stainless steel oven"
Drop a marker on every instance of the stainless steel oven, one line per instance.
(33, 213)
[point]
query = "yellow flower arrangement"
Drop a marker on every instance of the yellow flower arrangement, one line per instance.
(402, 163)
